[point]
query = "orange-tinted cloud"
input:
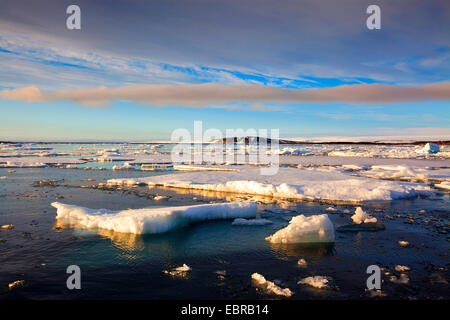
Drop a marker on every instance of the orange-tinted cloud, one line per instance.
(203, 95)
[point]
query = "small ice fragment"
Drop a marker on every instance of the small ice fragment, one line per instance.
(404, 279)
(331, 209)
(158, 198)
(403, 243)
(16, 284)
(270, 286)
(319, 282)
(302, 263)
(301, 229)
(400, 268)
(375, 293)
(361, 216)
(250, 222)
(179, 271)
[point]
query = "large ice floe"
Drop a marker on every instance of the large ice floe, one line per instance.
(150, 220)
(289, 183)
(301, 229)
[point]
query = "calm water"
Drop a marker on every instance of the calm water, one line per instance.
(123, 266)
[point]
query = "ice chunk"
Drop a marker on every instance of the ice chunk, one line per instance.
(443, 185)
(319, 282)
(361, 216)
(150, 220)
(302, 263)
(179, 271)
(269, 286)
(250, 222)
(404, 279)
(429, 148)
(301, 229)
(400, 268)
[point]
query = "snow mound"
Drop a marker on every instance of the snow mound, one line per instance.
(270, 287)
(301, 229)
(150, 220)
(250, 222)
(361, 216)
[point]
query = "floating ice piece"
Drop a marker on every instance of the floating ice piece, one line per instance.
(429, 148)
(361, 216)
(158, 198)
(269, 286)
(319, 282)
(404, 279)
(125, 166)
(403, 243)
(443, 185)
(179, 271)
(375, 293)
(331, 209)
(400, 268)
(250, 222)
(302, 263)
(16, 284)
(301, 229)
(150, 220)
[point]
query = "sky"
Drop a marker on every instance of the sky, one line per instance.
(137, 70)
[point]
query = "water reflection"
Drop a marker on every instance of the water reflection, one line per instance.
(303, 249)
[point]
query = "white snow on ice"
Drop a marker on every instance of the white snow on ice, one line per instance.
(150, 220)
(301, 229)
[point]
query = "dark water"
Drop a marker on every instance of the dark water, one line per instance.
(124, 266)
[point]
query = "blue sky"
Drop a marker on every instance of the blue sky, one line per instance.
(284, 44)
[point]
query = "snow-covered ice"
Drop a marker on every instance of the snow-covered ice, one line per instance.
(290, 183)
(150, 220)
(302, 229)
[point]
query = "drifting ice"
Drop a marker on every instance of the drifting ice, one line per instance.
(301, 229)
(270, 286)
(151, 220)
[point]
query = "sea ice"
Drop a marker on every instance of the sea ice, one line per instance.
(151, 220)
(302, 229)
(289, 183)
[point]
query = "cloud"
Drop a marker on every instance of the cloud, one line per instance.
(203, 95)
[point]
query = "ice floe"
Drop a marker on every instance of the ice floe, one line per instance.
(150, 220)
(270, 286)
(302, 229)
(319, 282)
(290, 183)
